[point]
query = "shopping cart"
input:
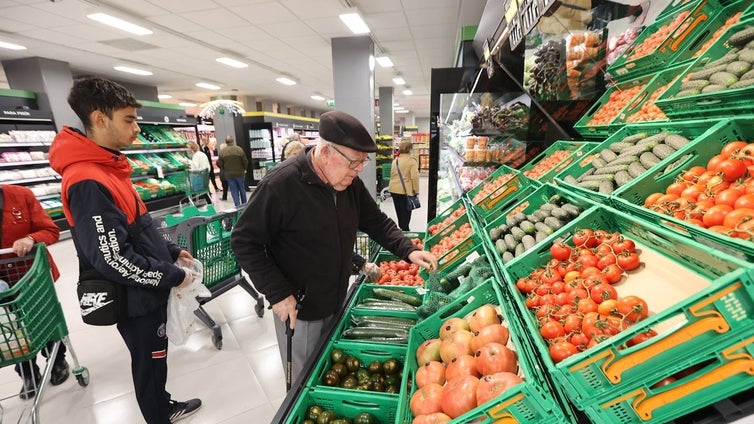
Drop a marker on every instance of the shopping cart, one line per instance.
(193, 183)
(31, 317)
(206, 235)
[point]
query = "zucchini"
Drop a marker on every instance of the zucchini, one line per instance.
(636, 169)
(507, 257)
(560, 213)
(382, 322)
(612, 169)
(648, 160)
(633, 139)
(553, 223)
(528, 241)
(607, 155)
(572, 209)
(389, 294)
(384, 305)
(662, 151)
(622, 178)
(527, 226)
(367, 333)
(606, 187)
(676, 141)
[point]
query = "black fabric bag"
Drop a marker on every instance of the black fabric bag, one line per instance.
(102, 302)
(412, 200)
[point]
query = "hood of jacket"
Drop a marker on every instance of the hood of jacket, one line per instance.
(72, 148)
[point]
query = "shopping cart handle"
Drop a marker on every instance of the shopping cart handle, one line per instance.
(6, 251)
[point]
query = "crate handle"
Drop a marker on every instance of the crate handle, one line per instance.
(709, 320)
(680, 39)
(645, 406)
(361, 404)
(709, 102)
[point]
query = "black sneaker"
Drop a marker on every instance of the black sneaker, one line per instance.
(60, 373)
(29, 387)
(179, 410)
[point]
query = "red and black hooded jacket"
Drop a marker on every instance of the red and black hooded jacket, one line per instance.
(100, 204)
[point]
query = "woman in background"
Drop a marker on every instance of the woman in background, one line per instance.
(208, 153)
(199, 160)
(409, 170)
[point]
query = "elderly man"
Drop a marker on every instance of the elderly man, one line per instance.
(296, 236)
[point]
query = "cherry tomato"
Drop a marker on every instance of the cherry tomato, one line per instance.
(608, 307)
(641, 338)
(628, 261)
(729, 196)
(714, 163)
(633, 308)
(624, 245)
(562, 350)
(560, 251)
(587, 304)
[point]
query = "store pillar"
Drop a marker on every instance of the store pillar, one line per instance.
(386, 110)
(353, 80)
(51, 80)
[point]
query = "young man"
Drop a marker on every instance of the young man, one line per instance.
(296, 236)
(114, 235)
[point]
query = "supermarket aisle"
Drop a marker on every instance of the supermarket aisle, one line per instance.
(242, 383)
(418, 217)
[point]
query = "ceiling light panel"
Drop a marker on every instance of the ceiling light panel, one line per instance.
(354, 22)
(407, 92)
(317, 97)
(207, 85)
(132, 70)
(399, 81)
(121, 24)
(232, 62)
(285, 80)
(11, 46)
(384, 61)
(164, 96)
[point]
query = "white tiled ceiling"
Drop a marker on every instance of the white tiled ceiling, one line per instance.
(273, 36)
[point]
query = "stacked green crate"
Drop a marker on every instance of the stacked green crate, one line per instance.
(568, 151)
(701, 303)
(490, 197)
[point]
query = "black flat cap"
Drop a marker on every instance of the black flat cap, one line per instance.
(345, 130)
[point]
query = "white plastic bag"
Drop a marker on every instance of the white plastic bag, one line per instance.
(182, 303)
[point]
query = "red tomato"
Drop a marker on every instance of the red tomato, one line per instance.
(585, 237)
(732, 148)
(633, 308)
(676, 188)
(613, 272)
(560, 251)
(732, 169)
(628, 261)
(562, 350)
(624, 245)
(608, 307)
(525, 285)
(745, 201)
(652, 199)
(572, 323)
(461, 365)
(587, 305)
(728, 196)
(587, 261)
(641, 338)
(580, 340)
(692, 192)
(459, 395)
(737, 216)
(714, 163)
(602, 292)
(551, 330)
(550, 276)
(716, 215)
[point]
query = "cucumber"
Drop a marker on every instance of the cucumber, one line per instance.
(612, 169)
(366, 333)
(527, 226)
(543, 228)
(517, 233)
(384, 305)
(622, 160)
(560, 213)
(511, 221)
(607, 155)
(389, 294)
(693, 85)
(533, 218)
(590, 185)
(723, 78)
(713, 88)
(635, 151)
(746, 55)
(528, 241)
(540, 236)
(520, 249)
(636, 169)
(572, 209)
(553, 223)
(742, 84)
(622, 178)
(570, 179)
(507, 257)
(606, 187)
(542, 213)
(520, 217)
(662, 151)
(738, 68)
(742, 37)
(618, 147)
(633, 139)
(500, 246)
(598, 163)
(686, 93)
(510, 242)
(676, 141)
(705, 72)
(600, 177)
(394, 321)
(648, 160)
(547, 207)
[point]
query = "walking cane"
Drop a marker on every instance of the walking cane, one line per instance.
(289, 354)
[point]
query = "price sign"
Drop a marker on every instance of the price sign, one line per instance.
(516, 33)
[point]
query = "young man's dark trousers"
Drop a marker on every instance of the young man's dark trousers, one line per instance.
(148, 344)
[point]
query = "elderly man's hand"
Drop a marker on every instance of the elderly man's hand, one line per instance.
(424, 259)
(285, 309)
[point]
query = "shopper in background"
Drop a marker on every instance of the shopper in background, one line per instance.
(291, 148)
(198, 161)
(24, 223)
(208, 152)
(223, 179)
(409, 169)
(297, 235)
(233, 162)
(114, 235)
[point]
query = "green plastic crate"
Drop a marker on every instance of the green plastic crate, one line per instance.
(346, 405)
(660, 82)
(689, 129)
(491, 203)
(366, 291)
(707, 105)
(632, 196)
(702, 20)
(446, 218)
(527, 402)
(692, 319)
(527, 206)
(727, 372)
(577, 149)
(366, 353)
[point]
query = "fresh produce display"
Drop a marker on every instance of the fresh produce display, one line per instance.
(399, 273)
(469, 363)
(619, 43)
(452, 240)
(489, 187)
(616, 102)
(351, 372)
(650, 44)
(436, 228)
(317, 414)
(379, 328)
(648, 110)
(622, 161)
(520, 232)
(717, 34)
(445, 289)
(547, 164)
(585, 64)
(546, 74)
(733, 70)
(501, 117)
(574, 296)
(470, 176)
(719, 197)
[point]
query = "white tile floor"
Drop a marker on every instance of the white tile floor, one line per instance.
(242, 383)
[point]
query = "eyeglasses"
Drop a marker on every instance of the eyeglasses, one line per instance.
(352, 163)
